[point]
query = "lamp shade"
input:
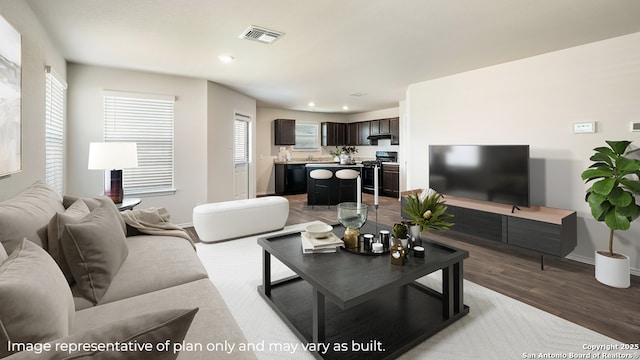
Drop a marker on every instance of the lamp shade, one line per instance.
(113, 155)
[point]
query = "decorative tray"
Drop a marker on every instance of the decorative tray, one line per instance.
(367, 252)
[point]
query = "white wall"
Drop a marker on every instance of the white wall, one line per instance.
(222, 104)
(535, 101)
(37, 52)
(86, 124)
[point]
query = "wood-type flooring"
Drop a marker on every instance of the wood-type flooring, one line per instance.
(565, 288)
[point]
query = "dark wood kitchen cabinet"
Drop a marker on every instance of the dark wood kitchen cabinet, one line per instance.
(374, 127)
(364, 130)
(391, 180)
(291, 179)
(352, 134)
(394, 129)
(284, 131)
(385, 126)
(334, 134)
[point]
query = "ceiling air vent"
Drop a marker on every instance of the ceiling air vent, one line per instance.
(259, 34)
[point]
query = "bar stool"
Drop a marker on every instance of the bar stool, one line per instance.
(346, 180)
(320, 183)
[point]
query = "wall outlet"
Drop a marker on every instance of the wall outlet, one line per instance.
(584, 127)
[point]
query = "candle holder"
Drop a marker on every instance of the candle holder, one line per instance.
(352, 216)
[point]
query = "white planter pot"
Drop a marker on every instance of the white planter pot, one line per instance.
(414, 231)
(613, 271)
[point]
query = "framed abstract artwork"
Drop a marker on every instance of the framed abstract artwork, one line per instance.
(10, 99)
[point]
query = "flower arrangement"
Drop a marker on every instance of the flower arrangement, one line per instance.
(428, 210)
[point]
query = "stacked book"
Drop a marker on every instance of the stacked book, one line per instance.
(311, 245)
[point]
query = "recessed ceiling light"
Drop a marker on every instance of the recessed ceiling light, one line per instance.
(226, 58)
(345, 108)
(312, 104)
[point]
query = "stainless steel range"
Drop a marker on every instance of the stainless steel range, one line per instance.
(368, 169)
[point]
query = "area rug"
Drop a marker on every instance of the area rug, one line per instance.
(497, 327)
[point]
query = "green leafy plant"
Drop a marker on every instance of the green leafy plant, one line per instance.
(336, 152)
(349, 150)
(617, 182)
(428, 209)
(399, 231)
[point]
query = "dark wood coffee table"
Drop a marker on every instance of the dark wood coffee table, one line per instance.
(375, 310)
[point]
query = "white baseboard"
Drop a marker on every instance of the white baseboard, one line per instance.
(591, 261)
(185, 225)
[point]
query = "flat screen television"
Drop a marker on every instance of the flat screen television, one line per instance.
(496, 173)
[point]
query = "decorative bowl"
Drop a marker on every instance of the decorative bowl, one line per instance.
(319, 230)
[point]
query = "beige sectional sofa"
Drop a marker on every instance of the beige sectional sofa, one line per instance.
(79, 282)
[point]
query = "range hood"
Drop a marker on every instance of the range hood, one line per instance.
(379, 136)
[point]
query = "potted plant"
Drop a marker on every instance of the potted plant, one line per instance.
(347, 151)
(336, 154)
(428, 210)
(400, 243)
(400, 233)
(612, 201)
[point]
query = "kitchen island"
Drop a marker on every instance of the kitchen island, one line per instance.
(291, 176)
(332, 191)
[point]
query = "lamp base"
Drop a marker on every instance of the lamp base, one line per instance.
(113, 185)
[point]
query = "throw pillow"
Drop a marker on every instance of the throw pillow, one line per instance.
(27, 215)
(56, 229)
(3, 254)
(37, 305)
(94, 248)
(152, 330)
(93, 203)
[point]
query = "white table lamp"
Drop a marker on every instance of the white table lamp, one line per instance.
(113, 157)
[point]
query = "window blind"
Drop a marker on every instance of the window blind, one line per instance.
(241, 139)
(55, 93)
(147, 120)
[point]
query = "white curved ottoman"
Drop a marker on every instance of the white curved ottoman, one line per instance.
(238, 218)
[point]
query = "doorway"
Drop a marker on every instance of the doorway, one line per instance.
(241, 156)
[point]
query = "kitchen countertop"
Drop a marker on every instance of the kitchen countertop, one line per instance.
(333, 164)
(296, 162)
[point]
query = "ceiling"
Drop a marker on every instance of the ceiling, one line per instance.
(332, 49)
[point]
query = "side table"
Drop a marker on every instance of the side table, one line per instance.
(128, 203)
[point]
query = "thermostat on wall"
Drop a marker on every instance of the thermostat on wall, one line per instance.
(584, 127)
(635, 126)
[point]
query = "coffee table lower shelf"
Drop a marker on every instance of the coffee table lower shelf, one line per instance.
(381, 328)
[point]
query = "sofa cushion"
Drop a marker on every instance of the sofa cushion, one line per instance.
(36, 301)
(212, 324)
(153, 263)
(94, 251)
(3, 254)
(56, 229)
(93, 203)
(27, 215)
(150, 331)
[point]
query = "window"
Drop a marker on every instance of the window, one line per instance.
(55, 94)
(306, 137)
(148, 121)
(241, 139)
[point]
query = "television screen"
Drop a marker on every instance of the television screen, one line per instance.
(496, 173)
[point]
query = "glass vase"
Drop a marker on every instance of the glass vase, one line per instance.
(352, 216)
